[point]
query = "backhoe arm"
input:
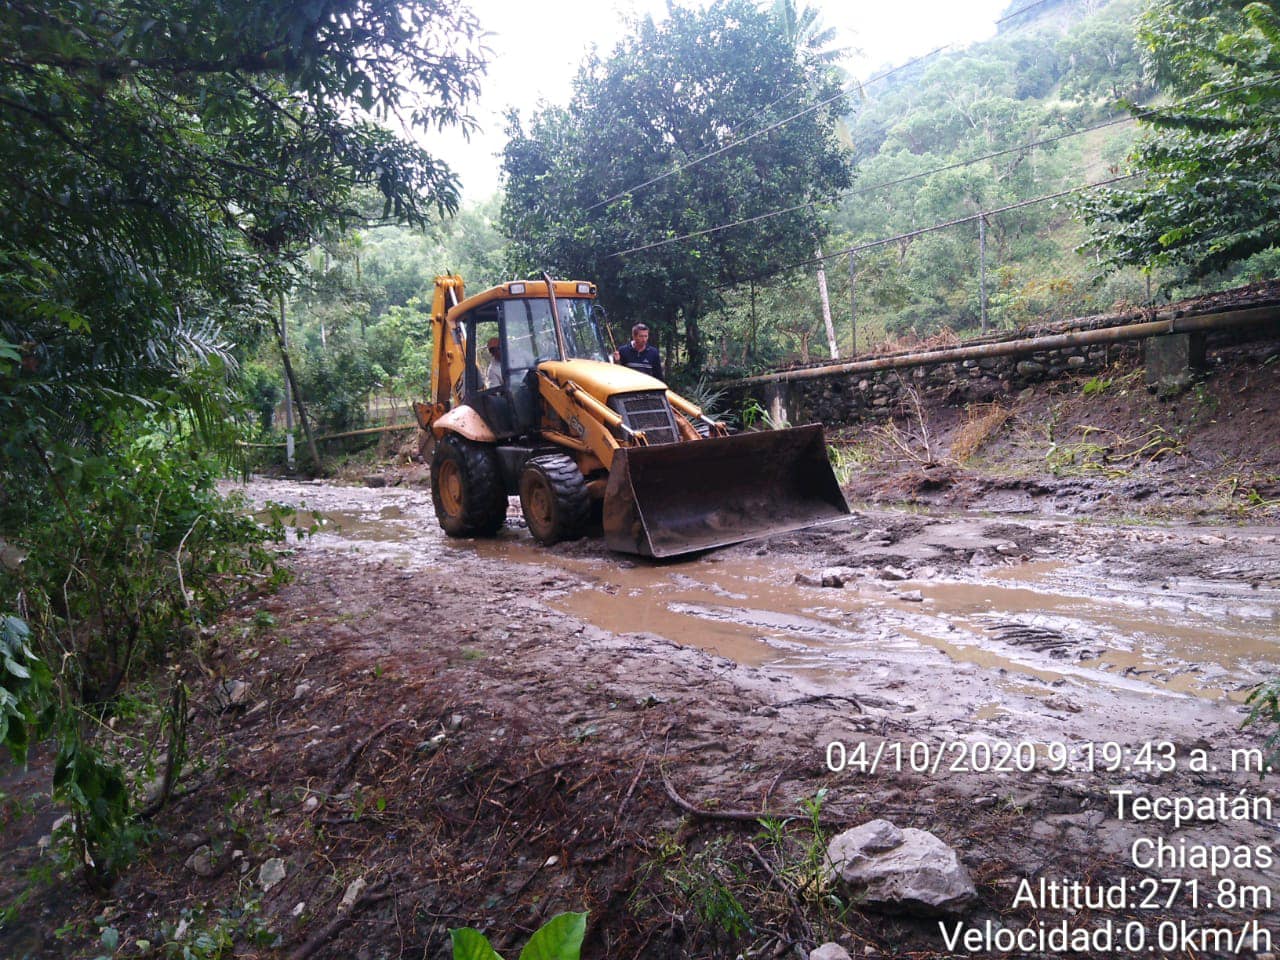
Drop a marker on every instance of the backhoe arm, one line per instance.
(448, 353)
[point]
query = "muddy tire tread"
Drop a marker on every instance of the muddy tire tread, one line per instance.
(484, 498)
(573, 503)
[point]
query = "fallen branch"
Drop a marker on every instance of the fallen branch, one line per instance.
(737, 816)
(508, 784)
(617, 817)
(325, 934)
(343, 773)
(805, 930)
(817, 698)
(741, 816)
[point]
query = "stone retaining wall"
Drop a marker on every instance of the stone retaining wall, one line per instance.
(844, 398)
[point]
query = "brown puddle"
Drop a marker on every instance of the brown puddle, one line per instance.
(1035, 620)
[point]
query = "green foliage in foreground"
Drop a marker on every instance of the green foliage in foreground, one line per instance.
(560, 938)
(25, 682)
(161, 167)
(156, 176)
(1264, 710)
(118, 575)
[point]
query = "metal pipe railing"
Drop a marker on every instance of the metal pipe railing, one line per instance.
(1225, 320)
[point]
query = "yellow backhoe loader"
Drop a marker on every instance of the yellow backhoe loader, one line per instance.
(528, 402)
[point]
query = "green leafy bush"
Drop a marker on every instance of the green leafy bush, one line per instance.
(1264, 710)
(25, 683)
(130, 551)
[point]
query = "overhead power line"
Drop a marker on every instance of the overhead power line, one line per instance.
(871, 244)
(1018, 13)
(1031, 145)
(758, 133)
(855, 85)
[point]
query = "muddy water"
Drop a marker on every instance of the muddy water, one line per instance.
(1029, 628)
(1036, 620)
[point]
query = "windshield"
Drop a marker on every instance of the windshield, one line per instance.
(531, 336)
(582, 336)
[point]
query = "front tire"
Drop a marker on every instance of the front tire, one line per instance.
(466, 488)
(554, 498)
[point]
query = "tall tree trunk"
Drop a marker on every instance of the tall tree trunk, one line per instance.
(826, 306)
(696, 357)
(297, 397)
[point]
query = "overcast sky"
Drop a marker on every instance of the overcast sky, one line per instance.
(536, 49)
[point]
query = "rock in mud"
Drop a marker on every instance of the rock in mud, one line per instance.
(830, 951)
(354, 889)
(270, 873)
(231, 694)
(837, 576)
(1062, 704)
(891, 869)
(201, 862)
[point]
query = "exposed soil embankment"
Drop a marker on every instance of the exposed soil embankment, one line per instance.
(1101, 445)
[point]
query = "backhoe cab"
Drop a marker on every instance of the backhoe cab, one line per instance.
(528, 402)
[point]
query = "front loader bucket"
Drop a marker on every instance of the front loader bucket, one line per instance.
(677, 498)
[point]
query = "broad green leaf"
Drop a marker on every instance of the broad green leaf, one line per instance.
(471, 944)
(17, 669)
(560, 938)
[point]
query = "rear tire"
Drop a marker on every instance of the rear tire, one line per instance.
(554, 498)
(466, 488)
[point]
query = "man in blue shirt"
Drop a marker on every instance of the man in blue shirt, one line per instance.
(638, 355)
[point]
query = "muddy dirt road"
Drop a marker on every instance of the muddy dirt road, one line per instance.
(1037, 628)
(1099, 661)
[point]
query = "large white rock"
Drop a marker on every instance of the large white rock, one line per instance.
(830, 951)
(910, 870)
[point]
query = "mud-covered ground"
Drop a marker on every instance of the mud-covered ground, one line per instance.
(428, 734)
(1102, 445)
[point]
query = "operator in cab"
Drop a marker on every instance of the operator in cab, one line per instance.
(493, 372)
(638, 354)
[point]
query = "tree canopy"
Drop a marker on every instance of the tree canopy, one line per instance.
(159, 161)
(161, 165)
(662, 139)
(1209, 196)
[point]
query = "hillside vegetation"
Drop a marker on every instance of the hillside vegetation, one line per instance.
(1044, 108)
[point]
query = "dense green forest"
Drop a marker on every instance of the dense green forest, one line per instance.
(179, 176)
(1046, 107)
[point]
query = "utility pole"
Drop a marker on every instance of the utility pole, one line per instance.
(982, 258)
(853, 305)
(826, 307)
